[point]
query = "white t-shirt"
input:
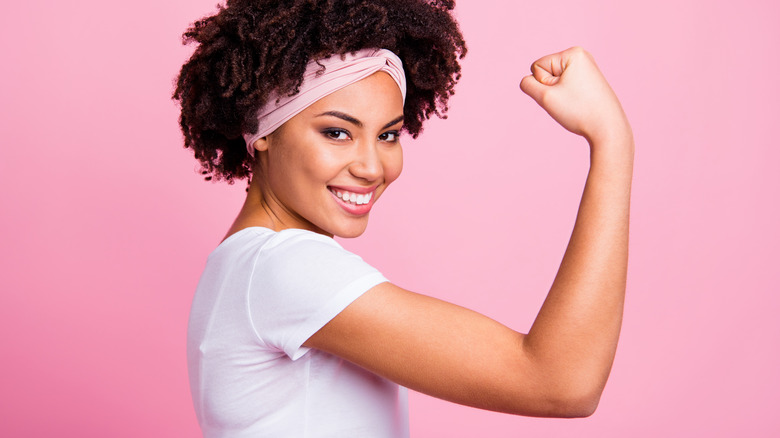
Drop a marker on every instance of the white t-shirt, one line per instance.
(261, 296)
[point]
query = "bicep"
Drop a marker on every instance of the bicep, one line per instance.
(436, 348)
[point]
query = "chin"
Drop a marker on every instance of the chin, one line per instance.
(349, 232)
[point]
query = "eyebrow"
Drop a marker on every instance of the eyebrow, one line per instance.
(356, 122)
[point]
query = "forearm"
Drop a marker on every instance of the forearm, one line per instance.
(574, 337)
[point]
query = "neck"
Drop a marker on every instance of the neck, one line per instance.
(261, 209)
(254, 212)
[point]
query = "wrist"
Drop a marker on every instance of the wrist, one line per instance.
(614, 149)
(611, 129)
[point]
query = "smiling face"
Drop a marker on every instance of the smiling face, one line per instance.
(324, 169)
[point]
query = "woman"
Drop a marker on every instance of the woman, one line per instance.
(290, 334)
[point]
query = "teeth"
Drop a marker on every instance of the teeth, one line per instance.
(353, 198)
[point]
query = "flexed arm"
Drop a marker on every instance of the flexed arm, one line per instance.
(576, 331)
(560, 367)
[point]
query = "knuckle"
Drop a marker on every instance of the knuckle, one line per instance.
(545, 99)
(580, 52)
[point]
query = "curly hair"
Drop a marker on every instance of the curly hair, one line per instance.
(251, 48)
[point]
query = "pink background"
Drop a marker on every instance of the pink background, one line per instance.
(106, 225)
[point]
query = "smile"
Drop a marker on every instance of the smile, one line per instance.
(351, 197)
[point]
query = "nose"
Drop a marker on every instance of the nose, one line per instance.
(367, 162)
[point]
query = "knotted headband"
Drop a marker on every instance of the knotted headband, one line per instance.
(338, 73)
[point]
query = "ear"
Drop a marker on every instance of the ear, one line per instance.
(261, 144)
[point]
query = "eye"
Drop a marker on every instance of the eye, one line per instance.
(336, 134)
(390, 136)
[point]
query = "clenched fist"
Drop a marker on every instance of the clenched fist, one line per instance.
(571, 88)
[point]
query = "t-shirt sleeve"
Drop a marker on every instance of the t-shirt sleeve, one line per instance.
(301, 281)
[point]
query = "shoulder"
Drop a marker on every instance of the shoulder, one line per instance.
(297, 241)
(305, 258)
(289, 257)
(259, 242)
(298, 282)
(296, 248)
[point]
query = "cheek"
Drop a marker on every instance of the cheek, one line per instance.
(394, 165)
(276, 170)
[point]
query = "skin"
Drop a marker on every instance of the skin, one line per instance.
(559, 368)
(346, 139)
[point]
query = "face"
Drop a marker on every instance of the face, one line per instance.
(325, 168)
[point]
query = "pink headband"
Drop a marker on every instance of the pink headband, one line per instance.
(338, 74)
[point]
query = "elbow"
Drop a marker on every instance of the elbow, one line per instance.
(573, 394)
(569, 404)
(578, 407)
(577, 403)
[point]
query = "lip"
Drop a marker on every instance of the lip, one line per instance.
(359, 190)
(354, 209)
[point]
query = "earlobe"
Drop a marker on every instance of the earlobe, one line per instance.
(261, 144)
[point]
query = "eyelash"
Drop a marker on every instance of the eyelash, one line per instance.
(393, 133)
(334, 133)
